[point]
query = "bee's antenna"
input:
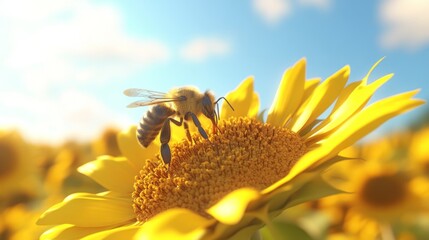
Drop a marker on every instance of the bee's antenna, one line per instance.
(225, 101)
(217, 107)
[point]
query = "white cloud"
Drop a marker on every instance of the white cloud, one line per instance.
(31, 11)
(405, 23)
(202, 48)
(320, 4)
(72, 115)
(54, 42)
(272, 11)
(48, 48)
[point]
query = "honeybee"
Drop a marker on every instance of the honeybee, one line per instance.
(185, 103)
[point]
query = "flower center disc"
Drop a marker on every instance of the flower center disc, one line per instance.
(242, 153)
(384, 190)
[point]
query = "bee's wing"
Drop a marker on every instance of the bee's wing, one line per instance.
(149, 97)
(139, 92)
(143, 103)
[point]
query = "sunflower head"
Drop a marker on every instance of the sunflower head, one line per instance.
(242, 176)
(201, 174)
(385, 193)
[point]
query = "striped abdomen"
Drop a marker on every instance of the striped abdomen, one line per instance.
(152, 122)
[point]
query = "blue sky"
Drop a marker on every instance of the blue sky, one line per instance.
(64, 65)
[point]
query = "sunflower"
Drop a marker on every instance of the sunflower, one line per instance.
(246, 173)
(389, 195)
(18, 178)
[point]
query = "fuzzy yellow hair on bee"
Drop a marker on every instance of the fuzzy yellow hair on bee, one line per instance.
(184, 103)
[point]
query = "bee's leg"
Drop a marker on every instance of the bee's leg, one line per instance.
(165, 138)
(197, 124)
(188, 133)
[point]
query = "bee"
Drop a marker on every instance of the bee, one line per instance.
(184, 103)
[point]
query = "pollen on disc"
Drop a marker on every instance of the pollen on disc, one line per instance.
(242, 153)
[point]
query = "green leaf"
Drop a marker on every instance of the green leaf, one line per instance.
(284, 230)
(314, 189)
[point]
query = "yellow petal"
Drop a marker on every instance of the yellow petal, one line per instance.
(231, 208)
(352, 105)
(365, 79)
(254, 108)
(301, 172)
(323, 96)
(89, 210)
(124, 232)
(351, 100)
(110, 194)
(346, 93)
(241, 99)
(370, 118)
(309, 87)
(178, 133)
(102, 170)
(270, 205)
(69, 232)
(359, 126)
(131, 149)
(279, 192)
(175, 223)
(289, 95)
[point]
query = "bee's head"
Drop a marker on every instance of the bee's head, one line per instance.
(209, 105)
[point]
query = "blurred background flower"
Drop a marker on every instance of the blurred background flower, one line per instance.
(64, 65)
(387, 192)
(18, 173)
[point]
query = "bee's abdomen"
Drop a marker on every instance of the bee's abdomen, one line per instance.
(151, 123)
